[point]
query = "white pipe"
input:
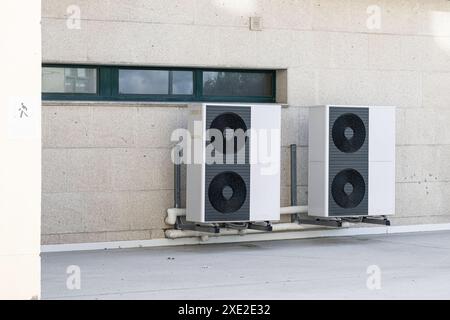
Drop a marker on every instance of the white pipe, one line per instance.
(277, 227)
(294, 210)
(173, 213)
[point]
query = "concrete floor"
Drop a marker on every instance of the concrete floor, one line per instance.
(413, 266)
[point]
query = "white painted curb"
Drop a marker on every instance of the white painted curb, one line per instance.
(246, 238)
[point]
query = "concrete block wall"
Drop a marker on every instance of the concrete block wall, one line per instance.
(107, 172)
(106, 168)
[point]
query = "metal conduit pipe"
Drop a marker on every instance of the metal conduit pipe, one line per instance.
(293, 148)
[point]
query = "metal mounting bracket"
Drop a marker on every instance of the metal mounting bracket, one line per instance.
(373, 220)
(181, 224)
(320, 222)
(267, 226)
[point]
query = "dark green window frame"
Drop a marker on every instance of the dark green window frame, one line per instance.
(108, 86)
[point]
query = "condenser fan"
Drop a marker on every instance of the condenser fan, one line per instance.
(227, 192)
(349, 133)
(229, 121)
(348, 188)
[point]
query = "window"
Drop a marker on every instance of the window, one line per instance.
(69, 80)
(182, 82)
(164, 82)
(240, 84)
(114, 83)
(143, 82)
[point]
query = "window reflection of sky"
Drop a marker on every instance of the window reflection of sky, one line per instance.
(236, 83)
(155, 82)
(69, 80)
(163, 82)
(182, 82)
(143, 82)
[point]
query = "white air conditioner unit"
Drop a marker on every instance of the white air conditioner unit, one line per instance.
(239, 183)
(351, 161)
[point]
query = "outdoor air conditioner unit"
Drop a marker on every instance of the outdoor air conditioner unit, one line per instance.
(237, 183)
(351, 161)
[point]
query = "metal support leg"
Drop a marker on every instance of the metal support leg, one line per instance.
(320, 222)
(383, 220)
(177, 183)
(181, 224)
(267, 226)
(208, 229)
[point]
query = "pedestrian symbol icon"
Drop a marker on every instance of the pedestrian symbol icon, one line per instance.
(23, 111)
(24, 119)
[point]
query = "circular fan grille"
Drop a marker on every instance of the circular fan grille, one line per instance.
(229, 121)
(348, 188)
(227, 192)
(349, 133)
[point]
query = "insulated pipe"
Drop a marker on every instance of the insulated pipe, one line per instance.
(294, 209)
(293, 175)
(177, 182)
(173, 213)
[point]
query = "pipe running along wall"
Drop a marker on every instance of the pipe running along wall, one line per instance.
(173, 213)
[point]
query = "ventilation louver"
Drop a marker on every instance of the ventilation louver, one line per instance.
(227, 123)
(348, 188)
(349, 133)
(227, 192)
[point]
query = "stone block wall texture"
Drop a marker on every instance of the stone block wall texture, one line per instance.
(106, 167)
